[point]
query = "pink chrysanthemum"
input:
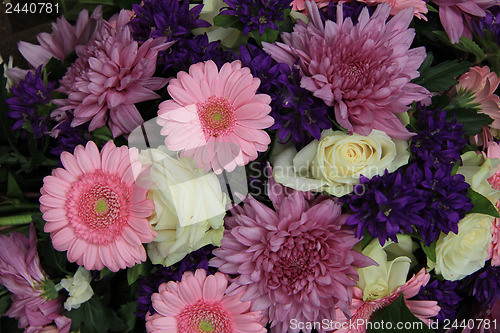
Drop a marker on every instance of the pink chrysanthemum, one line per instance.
(22, 275)
(362, 311)
(63, 39)
(363, 70)
(96, 207)
(456, 15)
(494, 250)
(111, 74)
(296, 261)
(216, 117)
(199, 303)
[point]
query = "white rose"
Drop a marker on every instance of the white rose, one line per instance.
(189, 207)
(459, 255)
(335, 163)
(78, 287)
(394, 260)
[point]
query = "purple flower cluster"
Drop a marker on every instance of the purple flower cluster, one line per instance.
(490, 22)
(486, 285)
(257, 14)
(146, 287)
(433, 201)
(445, 293)
(173, 19)
(438, 141)
(298, 115)
(69, 137)
(29, 104)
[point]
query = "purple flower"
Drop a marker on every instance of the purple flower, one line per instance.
(298, 115)
(438, 141)
(349, 9)
(257, 14)
(147, 287)
(29, 104)
(490, 22)
(69, 137)
(445, 293)
(388, 204)
(487, 285)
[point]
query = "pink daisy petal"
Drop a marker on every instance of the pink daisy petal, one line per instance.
(232, 106)
(203, 309)
(101, 218)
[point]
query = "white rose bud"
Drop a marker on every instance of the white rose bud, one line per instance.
(335, 163)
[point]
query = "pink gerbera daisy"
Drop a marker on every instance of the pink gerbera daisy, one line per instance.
(95, 208)
(363, 70)
(362, 311)
(199, 303)
(216, 117)
(112, 74)
(294, 262)
(494, 250)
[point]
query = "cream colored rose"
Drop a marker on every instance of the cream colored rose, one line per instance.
(394, 260)
(189, 207)
(477, 170)
(78, 287)
(335, 163)
(459, 255)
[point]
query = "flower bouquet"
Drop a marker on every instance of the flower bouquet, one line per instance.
(253, 166)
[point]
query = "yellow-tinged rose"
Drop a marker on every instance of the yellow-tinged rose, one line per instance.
(459, 255)
(394, 260)
(189, 207)
(335, 163)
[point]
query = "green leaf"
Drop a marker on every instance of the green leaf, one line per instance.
(481, 204)
(430, 251)
(442, 76)
(473, 122)
(15, 219)
(397, 313)
(126, 313)
(225, 21)
(367, 238)
(13, 189)
(4, 300)
(455, 168)
(269, 35)
(93, 317)
(103, 133)
(133, 273)
(465, 44)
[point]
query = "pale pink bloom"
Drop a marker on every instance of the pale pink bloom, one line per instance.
(455, 15)
(363, 310)
(215, 116)
(483, 84)
(96, 207)
(199, 303)
(295, 261)
(363, 70)
(63, 39)
(494, 250)
(22, 275)
(419, 6)
(299, 5)
(111, 74)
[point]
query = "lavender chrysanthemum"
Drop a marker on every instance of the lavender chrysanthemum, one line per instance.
(294, 261)
(30, 98)
(438, 142)
(363, 70)
(445, 293)
(257, 14)
(147, 287)
(298, 115)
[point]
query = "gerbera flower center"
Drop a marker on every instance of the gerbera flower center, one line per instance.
(203, 317)
(216, 115)
(98, 207)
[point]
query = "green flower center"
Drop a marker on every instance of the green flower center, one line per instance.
(206, 326)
